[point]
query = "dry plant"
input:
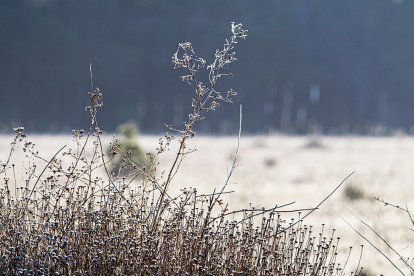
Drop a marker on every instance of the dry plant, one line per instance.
(62, 217)
(354, 192)
(127, 147)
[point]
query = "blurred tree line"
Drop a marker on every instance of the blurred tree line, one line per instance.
(329, 65)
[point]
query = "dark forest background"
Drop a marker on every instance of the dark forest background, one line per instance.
(330, 65)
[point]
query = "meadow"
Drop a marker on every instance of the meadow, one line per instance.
(278, 169)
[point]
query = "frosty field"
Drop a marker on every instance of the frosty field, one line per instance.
(281, 169)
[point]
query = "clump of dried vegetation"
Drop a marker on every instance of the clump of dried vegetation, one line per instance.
(354, 192)
(68, 218)
(127, 147)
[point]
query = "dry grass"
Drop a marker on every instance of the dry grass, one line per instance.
(301, 174)
(383, 168)
(72, 213)
(64, 215)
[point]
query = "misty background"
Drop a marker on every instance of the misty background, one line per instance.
(331, 66)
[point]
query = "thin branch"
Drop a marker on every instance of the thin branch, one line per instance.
(376, 248)
(379, 236)
(325, 199)
(235, 159)
(45, 168)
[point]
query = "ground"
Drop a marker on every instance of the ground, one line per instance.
(280, 169)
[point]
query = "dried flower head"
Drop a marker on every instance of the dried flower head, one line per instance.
(19, 131)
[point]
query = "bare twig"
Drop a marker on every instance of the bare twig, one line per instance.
(379, 236)
(375, 247)
(325, 199)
